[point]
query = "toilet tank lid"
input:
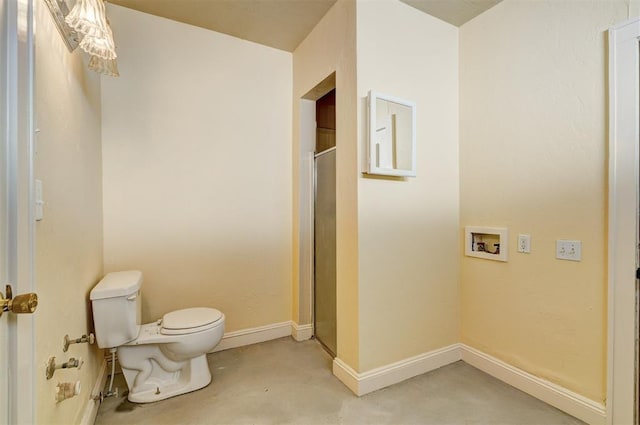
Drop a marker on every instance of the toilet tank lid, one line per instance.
(117, 284)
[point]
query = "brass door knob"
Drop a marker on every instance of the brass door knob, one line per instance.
(20, 304)
(23, 304)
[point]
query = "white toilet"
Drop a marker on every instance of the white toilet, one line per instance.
(160, 359)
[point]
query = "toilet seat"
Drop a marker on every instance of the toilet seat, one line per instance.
(190, 320)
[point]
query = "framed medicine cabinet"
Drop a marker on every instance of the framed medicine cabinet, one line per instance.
(392, 136)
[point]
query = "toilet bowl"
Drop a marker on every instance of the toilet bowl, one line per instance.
(163, 362)
(161, 359)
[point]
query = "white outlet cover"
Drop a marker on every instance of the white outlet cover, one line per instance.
(569, 250)
(524, 244)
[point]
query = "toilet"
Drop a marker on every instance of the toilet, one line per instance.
(161, 359)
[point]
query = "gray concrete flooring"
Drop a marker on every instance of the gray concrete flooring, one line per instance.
(288, 382)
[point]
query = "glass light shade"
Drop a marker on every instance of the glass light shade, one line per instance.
(100, 45)
(88, 17)
(108, 67)
(85, 15)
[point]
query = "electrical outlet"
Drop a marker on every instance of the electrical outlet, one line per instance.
(568, 250)
(524, 244)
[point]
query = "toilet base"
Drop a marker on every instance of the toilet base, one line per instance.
(161, 384)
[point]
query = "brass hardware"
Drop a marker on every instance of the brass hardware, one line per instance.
(65, 390)
(84, 338)
(52, 366)
(24, 303)
(21, 304)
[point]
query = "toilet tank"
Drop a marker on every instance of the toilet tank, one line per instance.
(116, 308)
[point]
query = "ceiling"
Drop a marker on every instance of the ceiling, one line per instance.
(456, 12)
(282, 24)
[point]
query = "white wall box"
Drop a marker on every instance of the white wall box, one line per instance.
(490, 243)
(392, 136)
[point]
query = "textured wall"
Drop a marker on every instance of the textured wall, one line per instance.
(197, 170)
(408, 229)
(69, 239)
(533, 154)
(330, 48)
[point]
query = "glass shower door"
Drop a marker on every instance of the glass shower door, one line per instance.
(325, 250)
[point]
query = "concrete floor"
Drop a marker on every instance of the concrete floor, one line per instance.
(288, 382)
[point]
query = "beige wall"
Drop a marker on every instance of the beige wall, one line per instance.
(408, 228)
(533, 152)
(197, 169)
(397, 244)
(329, 48)
(199, 192)
(69, 239)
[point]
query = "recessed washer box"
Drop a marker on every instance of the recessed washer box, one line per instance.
(489, 243)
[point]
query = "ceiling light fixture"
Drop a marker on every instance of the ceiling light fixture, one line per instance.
(88, 18)
(108, 67)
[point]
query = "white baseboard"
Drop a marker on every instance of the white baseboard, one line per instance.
(254, 335)
(91, 410)
(587, 410)
(375, 379)
(301, 332)
(592, 412)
